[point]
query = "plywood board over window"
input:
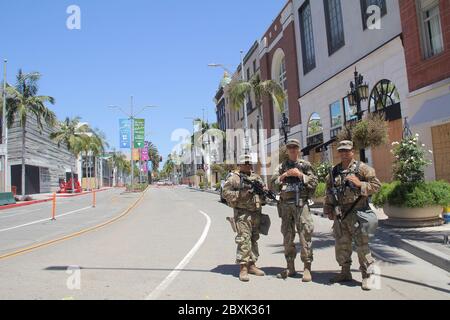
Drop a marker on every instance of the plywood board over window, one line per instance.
(441, 148)
(382, 157)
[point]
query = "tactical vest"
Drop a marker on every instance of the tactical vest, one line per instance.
(348, 193)
(288, 186)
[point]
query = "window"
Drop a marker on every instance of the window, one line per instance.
(248, 74)
(383, 95)
(254, 66)
(336, 114)
(365, 4)
(431, 30)
(314, 125)
(335, 25)
(282, 80)
(351, 112)
(307, 37)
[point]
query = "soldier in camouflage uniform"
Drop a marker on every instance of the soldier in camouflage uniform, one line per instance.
(357, 181)
(293, 208)
(247, 214)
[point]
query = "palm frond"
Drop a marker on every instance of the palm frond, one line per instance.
(238, 90)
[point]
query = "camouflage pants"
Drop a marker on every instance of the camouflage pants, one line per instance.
(295, 219)
(345, 233)
(247, 224)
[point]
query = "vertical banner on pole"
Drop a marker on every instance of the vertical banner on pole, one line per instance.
(135, 154)
(144, 152)
(139, 133)
(125, 133)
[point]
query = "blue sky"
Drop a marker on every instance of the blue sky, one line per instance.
(155, 50)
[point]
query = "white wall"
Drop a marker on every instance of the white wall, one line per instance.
(358, 42)
(387, 62)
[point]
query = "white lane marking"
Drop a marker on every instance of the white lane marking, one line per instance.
(43, 220)
(168, 280)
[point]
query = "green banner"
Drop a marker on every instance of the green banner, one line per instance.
(139, 133)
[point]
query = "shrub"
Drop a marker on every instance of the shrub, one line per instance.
(201, 185)
(413, 195)
(322, 171)
(321, 190)
(410, 163)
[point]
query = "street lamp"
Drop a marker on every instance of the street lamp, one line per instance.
(359, 91)
(132, 116)
(247, 142)
(285, 127)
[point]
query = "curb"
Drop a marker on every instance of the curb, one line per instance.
(29, 203)
(421, 251)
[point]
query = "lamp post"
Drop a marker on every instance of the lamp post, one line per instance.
(131, 116)
(5, 130)
(359, 91)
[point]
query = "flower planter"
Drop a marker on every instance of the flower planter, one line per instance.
(413, 217)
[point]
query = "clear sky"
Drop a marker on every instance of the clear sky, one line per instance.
(155, 50)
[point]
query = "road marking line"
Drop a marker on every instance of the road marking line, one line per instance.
(76, 234)
(43, 220)
(168, 280)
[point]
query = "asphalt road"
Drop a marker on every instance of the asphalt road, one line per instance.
(176, 244)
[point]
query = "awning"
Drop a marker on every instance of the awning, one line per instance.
(432, 110)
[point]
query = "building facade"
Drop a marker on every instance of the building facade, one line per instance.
(46, 164)
(426, 35)
(334, 38)
(278, 60)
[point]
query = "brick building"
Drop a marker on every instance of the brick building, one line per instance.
(426, 38)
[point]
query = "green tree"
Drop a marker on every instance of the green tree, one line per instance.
(22, 102)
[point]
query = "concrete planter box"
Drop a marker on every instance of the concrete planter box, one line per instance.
(413, 217)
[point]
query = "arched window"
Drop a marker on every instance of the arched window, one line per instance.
(279, 74)
(383, 95)
(314, 125)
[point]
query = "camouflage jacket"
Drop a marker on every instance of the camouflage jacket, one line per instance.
(237, 196)
(310, 179)
(347, 196)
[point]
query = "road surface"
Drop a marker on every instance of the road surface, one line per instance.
(174, 243)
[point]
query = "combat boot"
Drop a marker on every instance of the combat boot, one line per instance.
(254, 270)
(365, 285)
(243, 274)
(289, 272)
(344, 276)
(307, 277)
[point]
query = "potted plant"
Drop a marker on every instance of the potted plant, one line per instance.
(409, 201)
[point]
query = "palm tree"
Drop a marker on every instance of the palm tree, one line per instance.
(23, 102)
(69, 132)
(239, 90)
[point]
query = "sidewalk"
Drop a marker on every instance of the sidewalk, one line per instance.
(46, 197)
(425, 243)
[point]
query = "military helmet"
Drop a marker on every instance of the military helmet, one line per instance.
(293, 143)
(245, 159)
(345, 145)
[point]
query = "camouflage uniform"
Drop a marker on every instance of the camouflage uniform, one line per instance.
(247, 214)
(296, 218)
(347, 230)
